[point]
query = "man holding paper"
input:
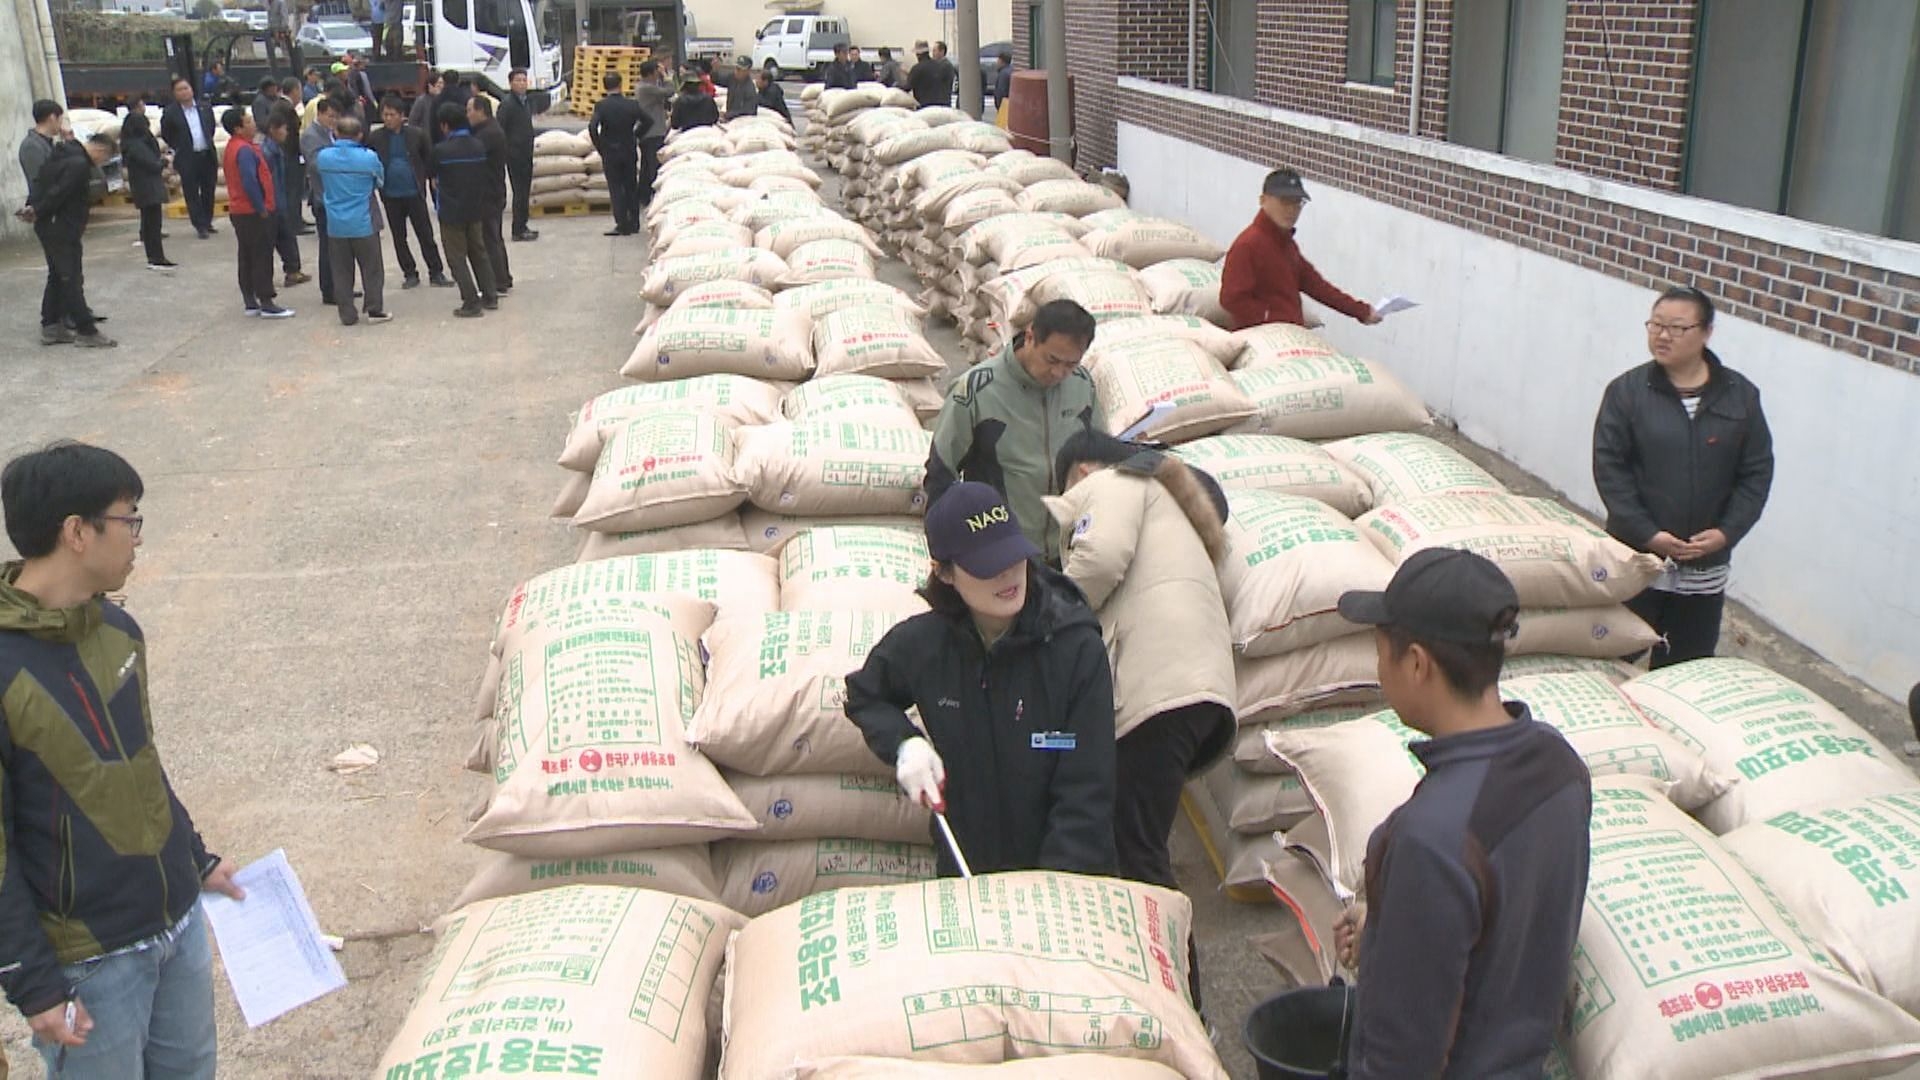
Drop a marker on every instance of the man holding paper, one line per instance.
(1266, 273)
(102, 945)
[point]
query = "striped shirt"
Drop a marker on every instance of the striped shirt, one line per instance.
(1684, 579)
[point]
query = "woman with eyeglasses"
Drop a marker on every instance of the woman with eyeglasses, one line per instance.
(1683, 460)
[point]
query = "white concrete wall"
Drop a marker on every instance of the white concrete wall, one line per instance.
(894, 23)
(1517, 346)
(25, 76)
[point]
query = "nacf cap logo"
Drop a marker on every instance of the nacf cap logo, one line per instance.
(988, 518)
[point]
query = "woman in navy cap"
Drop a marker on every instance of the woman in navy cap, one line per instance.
(1010, 677)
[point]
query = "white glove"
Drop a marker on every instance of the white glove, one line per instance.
(922, 775)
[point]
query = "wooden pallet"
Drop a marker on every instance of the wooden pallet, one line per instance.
(178, 208)
(572, 209)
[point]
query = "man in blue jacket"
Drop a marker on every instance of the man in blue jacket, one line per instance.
(350, 175)
(102, 945)
(1474, 886)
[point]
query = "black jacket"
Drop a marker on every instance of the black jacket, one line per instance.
(418, 148)
(175, 132)
(1012, 804)
(144, 165)
(694, 110)
(96, 853)
(862, 71)
(60, 198)
(743, 98)
(931, 82)
(618, 125)
(776, 99)
(516, 122)
(495, 141)
(838, 76)
(458, 167)
(1658, 471)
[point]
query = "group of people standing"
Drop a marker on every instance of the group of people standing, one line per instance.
(1076, 666)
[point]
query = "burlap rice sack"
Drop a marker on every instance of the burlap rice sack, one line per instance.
(1036, 963)
(1614, 671)
(661, 470)
(1356, 773)
(1790, 748)
(1250, 751)
(1850, 869)
(1143, 242)
(1076, 197)
(1077, 1067)
(1613, 738)
(1554, 557)
(703, 237)
(1399, 465)
(723, 533)
(1341, 672)
(1178, 373)
(690, 341)
(666, 278)
(855, 567)
(1328, 397)
(1118, 334)
(588, 979)
(767, 533)
(1601, 632)
(1275, 343)
(582, 596)
(722, 294)
(1289, 559)
(758, 876)
(1686, 968)
(827, 260)
(736, 583)
(734, 398)
(779, 692)
(819, 806)
(679, 871)
(817, 301)
(1185, 287)
(1104, 296)
(1277, 464)
(854, 464)
(830, 396)
(874, 339)
(591, 755)
(783, 237)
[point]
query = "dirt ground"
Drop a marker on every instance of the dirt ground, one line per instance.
(334, 517)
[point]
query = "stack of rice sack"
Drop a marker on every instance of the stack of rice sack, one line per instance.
(1752, 848)
(1303, 531)
(595, 673)
(830, 814)
(560, 169)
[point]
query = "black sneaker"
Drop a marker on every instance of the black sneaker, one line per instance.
(412, 282)
(491, 303)
(440, 281)
(275, 311)
(468, 311)
(525, 236)
(379, 317)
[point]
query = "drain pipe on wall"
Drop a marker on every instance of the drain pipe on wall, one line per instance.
(49, 83)
(1193, 50)
(1419, 64)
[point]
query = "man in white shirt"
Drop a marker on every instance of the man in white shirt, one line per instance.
(187, 127)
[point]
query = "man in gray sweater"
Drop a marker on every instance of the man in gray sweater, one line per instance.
(1475, 885)
(317, 137)
(654, 96)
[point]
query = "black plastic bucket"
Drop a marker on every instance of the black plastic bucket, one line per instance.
(1300, 1035)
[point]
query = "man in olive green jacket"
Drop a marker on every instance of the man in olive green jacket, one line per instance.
(1005, 421)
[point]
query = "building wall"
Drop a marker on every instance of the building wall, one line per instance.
(893, 23)
(23, 78)
(1516, 337)
(1624, 90)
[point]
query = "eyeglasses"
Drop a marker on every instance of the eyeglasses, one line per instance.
(1660, 329)
(134, 522)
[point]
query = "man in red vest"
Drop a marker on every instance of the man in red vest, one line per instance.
(251, 209)
(1265, 272)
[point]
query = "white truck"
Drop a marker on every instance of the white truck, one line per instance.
(799, 43)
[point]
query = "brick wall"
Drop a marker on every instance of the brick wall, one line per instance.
(1155, 37)
(1850, 306)
(1624, 91)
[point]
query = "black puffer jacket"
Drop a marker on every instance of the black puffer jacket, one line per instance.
(1659, 471)
(1025, 728)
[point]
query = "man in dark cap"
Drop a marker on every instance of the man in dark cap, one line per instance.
(692, 108)
(1474, 886)
(1266, 273)
(743, 98)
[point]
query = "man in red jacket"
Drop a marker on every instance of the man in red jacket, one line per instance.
(252, 210)
(1265, 272)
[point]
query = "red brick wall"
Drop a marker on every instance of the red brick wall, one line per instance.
(1624, 92)
(1851, 306)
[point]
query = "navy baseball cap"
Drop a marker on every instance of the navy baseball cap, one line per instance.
(1441, 594)
(972, 525)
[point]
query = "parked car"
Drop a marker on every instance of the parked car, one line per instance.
(334, 38)
(257, 21)
(799, 43)
(233, 15)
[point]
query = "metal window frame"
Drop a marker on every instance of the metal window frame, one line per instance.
(1371, 76)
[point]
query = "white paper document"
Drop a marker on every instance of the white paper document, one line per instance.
(1387, 305)
(271, 945)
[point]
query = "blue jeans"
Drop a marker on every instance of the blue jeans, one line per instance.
(152, 1011)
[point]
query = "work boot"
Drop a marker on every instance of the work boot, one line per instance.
(56, 335)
